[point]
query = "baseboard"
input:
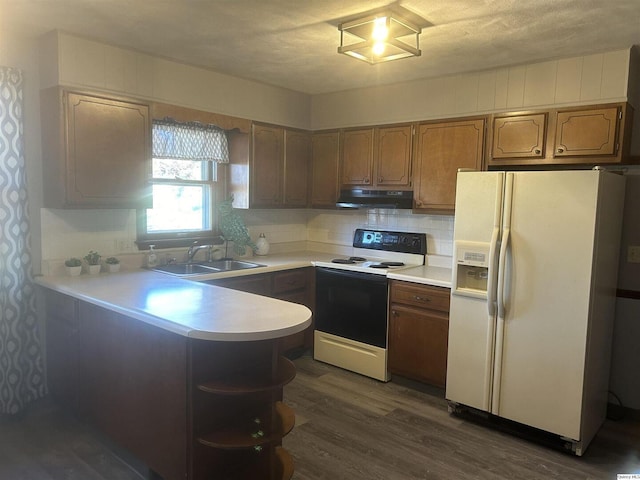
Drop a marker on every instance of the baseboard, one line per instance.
(618, 412)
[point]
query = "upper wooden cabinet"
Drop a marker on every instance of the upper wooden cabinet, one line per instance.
(267, 166)
(357, 157)
(517, 137)
(97, 150)
(279, 167)
(442, 148)
(597, 134)
(325, 148)
(297, 156)
(377, 157)
(590, 133)
(392, 166)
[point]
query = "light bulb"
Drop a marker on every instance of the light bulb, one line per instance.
(380, 30)
(378, 48)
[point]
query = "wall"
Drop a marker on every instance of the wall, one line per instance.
(625, 361)
(78, 62)
(599, 78)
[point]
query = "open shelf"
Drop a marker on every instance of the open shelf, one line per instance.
(252, 432)
(284, 466)
(250, 382)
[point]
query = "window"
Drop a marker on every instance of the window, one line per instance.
(184, 182)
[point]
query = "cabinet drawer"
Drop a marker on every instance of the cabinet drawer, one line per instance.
(433, 298)
(288, 281)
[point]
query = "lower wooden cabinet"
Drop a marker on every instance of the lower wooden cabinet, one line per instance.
(62, 348)
(295, 285)
(418, 332)
(187, 408)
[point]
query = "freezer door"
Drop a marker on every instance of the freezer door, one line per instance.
(541, 338)
(472, 315)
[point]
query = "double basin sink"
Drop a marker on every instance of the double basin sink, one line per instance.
(204, 268)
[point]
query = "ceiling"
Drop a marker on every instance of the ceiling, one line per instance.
(293, 43)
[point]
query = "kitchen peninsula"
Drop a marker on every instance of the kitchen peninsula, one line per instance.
(186, 376)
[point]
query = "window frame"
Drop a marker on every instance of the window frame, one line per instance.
(215, 180)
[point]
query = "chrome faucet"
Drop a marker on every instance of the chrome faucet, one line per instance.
(193, 249)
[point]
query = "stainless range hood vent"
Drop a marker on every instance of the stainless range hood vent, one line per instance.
(360, 198)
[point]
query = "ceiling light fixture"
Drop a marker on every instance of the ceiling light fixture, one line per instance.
(380, 38)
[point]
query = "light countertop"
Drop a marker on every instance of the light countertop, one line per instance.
(187, 308)
(427, 275)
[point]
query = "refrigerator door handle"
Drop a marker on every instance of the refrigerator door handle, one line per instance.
(504, 246)
(493, 247)
(502, 274)
(491, 280)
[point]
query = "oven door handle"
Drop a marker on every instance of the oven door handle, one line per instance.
(369, 277)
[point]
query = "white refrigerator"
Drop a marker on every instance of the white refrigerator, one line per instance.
(533, 297)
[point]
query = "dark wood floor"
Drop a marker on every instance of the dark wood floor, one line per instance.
(348, 427)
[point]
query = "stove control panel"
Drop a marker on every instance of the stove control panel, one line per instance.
(402, 242)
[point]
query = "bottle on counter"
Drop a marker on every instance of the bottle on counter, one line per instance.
(262, 244)
(152, 257)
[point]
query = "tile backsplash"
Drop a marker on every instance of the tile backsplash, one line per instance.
(67, 233)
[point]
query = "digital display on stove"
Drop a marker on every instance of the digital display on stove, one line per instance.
(390, 241)
(370, 238)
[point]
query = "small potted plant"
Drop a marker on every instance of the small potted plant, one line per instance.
(112, 264)
(73, 266)
(93, 261)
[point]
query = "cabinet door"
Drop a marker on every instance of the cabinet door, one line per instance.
(62, 348)
(267, 161)
(258, 284)
(357, 157)
(587, 132)
(108, 150)
(296, 286)
(393, 156)
(418, 344)
(324, 176)
(442, 149)
(518, 137)
(297, 153)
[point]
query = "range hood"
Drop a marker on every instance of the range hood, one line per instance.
(360, 198)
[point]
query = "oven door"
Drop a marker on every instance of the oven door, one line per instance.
(352, 305)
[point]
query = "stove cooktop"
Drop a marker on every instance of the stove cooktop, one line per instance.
(377, 251)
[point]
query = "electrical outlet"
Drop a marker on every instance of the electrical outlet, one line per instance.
(633, 254)
(124, 245)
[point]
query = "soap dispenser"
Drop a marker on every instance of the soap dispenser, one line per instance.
(262, 245)
(152, 257)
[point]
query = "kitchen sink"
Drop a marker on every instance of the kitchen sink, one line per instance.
(204, 268)
(227, 265)
(185, 269)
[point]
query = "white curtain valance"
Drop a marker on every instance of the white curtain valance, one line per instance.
(189, 141)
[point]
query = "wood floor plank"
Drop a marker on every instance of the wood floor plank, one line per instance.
(348, 427)
(412, 435)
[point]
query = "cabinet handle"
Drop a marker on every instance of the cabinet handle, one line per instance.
(394, 313)
(421, 299)
(537, 151)
(418, 203)
(366, 180)
(560, 150)
(380, 180)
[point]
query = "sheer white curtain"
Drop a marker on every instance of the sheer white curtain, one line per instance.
(21, 366)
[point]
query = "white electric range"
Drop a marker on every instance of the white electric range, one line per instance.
(351, 300)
